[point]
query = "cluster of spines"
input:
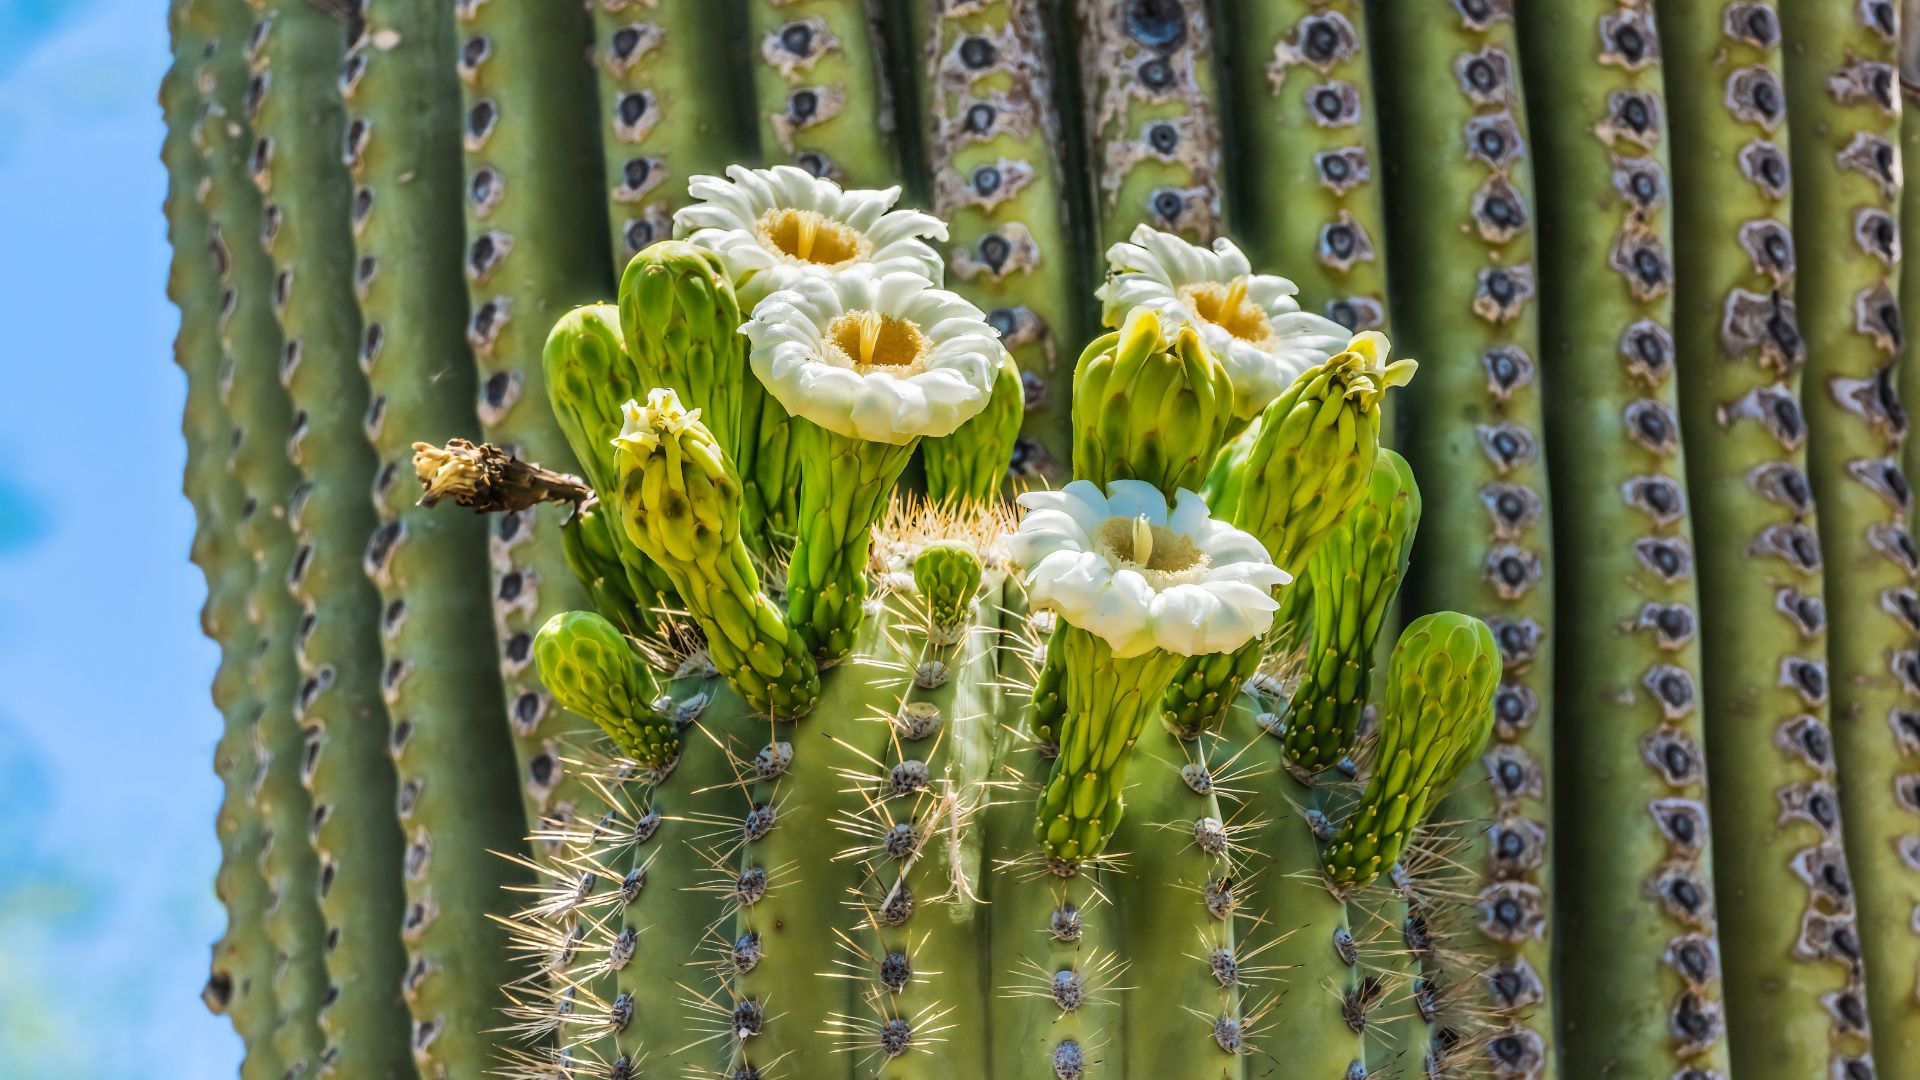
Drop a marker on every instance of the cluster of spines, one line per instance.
(262, 421)
(1763, 620)
(1310, 197)
(455, 802)
(240, 982)
(1151, 117)
(1487, 546)
(995, 149)
(1643, 911)
(820, 90)
(1841, 90)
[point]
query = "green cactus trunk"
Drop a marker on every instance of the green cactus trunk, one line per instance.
(298, 121)
(1626, 579)
(1478, 442)
(1785, 901)
(1840, 89)
(449, 740)
(240, 982)
(820, 94)
(262, 424)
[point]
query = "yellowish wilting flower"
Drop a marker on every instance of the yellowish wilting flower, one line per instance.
(1250, 321)
(1122, 565)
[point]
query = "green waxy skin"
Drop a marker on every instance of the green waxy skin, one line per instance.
(1763, 649)
(534, 225)
(1356, 575)
(844, 487)
(297, 120)
(970, 465)
(1841, 92)
(1309, 197)
(241, 980)
(588, 667)
(1635, 963)
(449, 739)
(1476, 442)
(681, 325)
(1151, 117)
(679, 501)
(262, 422)
(661, 122)
(819, 89)
(994, 143)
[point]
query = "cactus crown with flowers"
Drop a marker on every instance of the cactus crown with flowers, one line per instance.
(887, 765)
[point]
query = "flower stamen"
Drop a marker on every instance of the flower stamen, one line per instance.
(1227, 307)
(811, 237)
(867, 340)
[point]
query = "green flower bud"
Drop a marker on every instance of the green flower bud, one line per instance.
(1149, 406)
(972, 462)
(593, 552)
(948, 575)
(590, 669)
(1436, 718)
(681, 324)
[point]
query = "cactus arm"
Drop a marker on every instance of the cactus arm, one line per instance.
(1612, 433)
(1841, 85)
(1480, 436)
(349, 775)
(994, 146)
(971, 464)
(1180, 891)
(241, 980)
(1151, 118)
(1763, 654)
(449, 739)
(1309, 200)
(662, 124)
(262, 419)
(533, 230)
(820, 89)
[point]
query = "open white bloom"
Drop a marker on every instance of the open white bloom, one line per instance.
(771, 227)
(1250, 321)
(882, 357)
(1120, 565)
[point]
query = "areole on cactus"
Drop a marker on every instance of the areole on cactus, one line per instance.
(922, 767)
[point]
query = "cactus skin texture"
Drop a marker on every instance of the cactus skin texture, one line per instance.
(1457, 103)
(1841, 92)
(298, 122)
(1788, 943)
(1151, 118)
(995, 144)
(240, 982)
(1613, 435)
(449, 739)
(262, 423)
(819, 89)
(1309, 198)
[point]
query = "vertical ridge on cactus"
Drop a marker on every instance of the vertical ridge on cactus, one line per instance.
(262, 424)
(1613, 433)
(820, 89)
(297, 121)
(240, 981)
(1785, 898)
(1840, 89)
(1458, 105)
(449, 737)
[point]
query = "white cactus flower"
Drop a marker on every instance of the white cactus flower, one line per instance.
(1251, 321)
(1122, 566)
(882, 357)
(771, 227)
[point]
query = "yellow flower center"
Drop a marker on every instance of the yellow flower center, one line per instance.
(810, 236)
(1227, 307)
(865, 340)
(1163, 556)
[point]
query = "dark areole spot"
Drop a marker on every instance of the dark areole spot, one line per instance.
(480, 118)
(994, 250)
(474, 51)
(1156, 74)
(1328, 102)
(797, 38)
(1169, 206)
(803, 105)
(977, 53)
(634, 171)
(625, 40)
(630, 107)
(815, 163)
(1480, 73)
(980, 118)
(1322, 42)
(1158, 24)
(986, 180)
(1628, 42)
(1164, 138)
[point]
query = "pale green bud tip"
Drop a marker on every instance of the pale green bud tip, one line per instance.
(662, 420)
(1369, 375)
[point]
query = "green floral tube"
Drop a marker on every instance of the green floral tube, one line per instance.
(971, 464)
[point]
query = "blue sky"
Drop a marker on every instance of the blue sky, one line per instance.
(107, 793)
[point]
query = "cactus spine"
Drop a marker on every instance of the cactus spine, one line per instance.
(1636, 911)
(298, 121)
(1841, 90)
(240, 982)
(1785, 901)
(1458, 101)
(262, 419)
(449, 738)
(1151, 118)
(1305, 127)
(995, 147)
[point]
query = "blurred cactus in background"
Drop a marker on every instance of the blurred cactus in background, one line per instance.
(1053, 634)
